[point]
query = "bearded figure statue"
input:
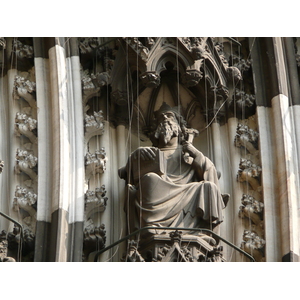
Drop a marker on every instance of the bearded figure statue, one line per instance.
(171, 184)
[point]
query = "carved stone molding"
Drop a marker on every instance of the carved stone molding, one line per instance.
(150, 79)
(191, 77)
(26, 163)
(249, 172)
(95, 201)
(22, 51)
(4, 248)
(94, 125)
(246, 137)
(94, 238)
(26, 125)
(252, 209)
(1, 166)
(176, 246)
(253, 244)
(25, 200)
(95, 162)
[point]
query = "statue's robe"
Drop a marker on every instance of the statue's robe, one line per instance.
(187, 195)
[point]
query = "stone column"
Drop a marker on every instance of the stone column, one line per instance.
(267, 139)
(61, 151)
(237, 190)
(41, 62)
(76, 208)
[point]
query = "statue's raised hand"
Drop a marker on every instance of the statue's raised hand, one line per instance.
(187, 147)
(145, 153)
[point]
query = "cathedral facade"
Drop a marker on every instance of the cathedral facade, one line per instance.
(73, 111)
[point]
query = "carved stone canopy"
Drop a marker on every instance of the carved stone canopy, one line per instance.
(195, 65)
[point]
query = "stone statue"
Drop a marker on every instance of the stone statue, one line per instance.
(171, 184)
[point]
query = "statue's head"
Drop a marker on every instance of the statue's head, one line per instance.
(168, 124)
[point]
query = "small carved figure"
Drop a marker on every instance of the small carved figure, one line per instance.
(166, 189)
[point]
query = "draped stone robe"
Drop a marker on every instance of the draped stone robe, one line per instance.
(188, 195)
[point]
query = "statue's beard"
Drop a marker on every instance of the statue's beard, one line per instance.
(167, 130)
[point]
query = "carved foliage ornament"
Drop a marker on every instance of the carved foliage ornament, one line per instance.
(252, 209)
(94, 125)
(246, 137)
(21, 50)
(253, 244)
(26, 162)
(26, 125)
(95, 201)
(95, 162)
(26, 200)
(243, 100)
(249, 172)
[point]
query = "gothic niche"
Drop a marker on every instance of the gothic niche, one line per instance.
(178, 87)
(164, 193)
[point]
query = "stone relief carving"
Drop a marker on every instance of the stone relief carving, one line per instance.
(26, 163)
(26, 125)
(248, 138)
(252, 209)
(95, 201)
(94, 125)
(171, 194)
(253, 244)
(249, 172)
(26, 200)
(95, 162)
(21, 50)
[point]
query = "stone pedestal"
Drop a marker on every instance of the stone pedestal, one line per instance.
(175, 247)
